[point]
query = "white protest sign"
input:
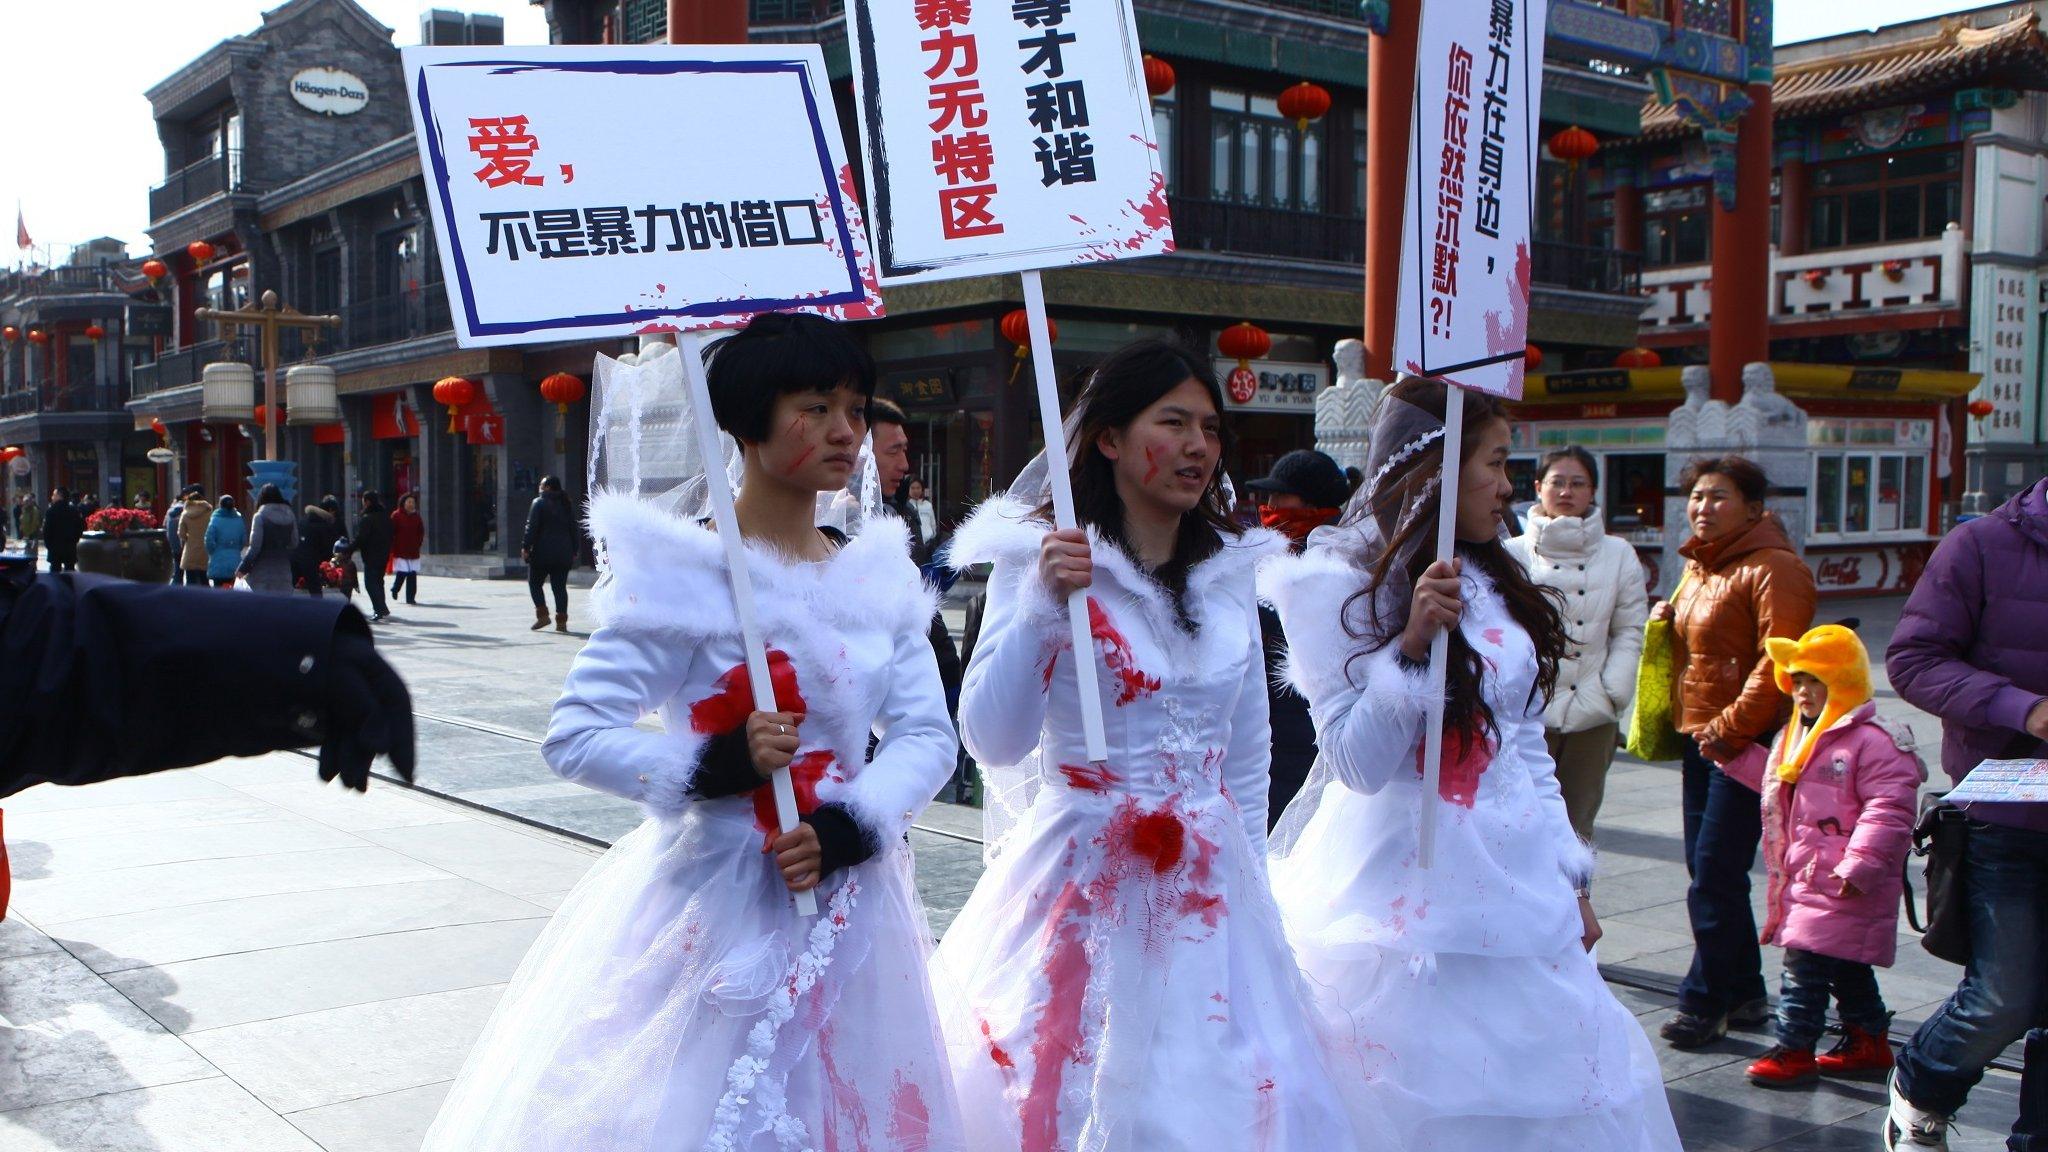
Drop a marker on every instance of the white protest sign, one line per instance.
(607, 191)
(1005, 135)
(1463, 311)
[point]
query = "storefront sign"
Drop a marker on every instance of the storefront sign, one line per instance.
(330, 91)
(1464, 304)
(572, 200)
(488, 428)
(1884, 569)
(1589, 382)
(1874, 380)
(160, 455)
(932, 386)
(148, 320)
(1272, 386)
(1005, 135)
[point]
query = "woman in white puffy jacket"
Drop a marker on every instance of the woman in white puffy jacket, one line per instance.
(1565, 546)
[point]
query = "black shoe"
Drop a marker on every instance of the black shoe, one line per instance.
(1751, 1014)
(1689, 1030)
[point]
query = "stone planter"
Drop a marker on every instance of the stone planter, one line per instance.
(143, 556)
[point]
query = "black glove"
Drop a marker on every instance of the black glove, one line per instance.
(842, 842)
(369, 712)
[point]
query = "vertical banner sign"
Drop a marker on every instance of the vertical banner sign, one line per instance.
(1005, 135)
(1463, 313)
(607, 191)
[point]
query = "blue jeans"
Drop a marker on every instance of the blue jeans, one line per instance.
(1723, 826)
(1803, 998)
(2004, 993)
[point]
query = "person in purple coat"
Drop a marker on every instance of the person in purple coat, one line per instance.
(1972, 648)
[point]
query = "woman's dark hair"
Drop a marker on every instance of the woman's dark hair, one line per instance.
(1576, 455)
(1126, 382)
(1749, 479)
(227, 503)
(551, 484)
(1405, 505)
(778, 354)
(412, 496)
(373, 498)
(331, 504)
(269, 494)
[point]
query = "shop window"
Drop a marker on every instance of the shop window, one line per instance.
(1358, 163)
(1257, 156)
(1879, 199)
(1634, 491)
(1868, 494)
(1676, 225)
(953, 338)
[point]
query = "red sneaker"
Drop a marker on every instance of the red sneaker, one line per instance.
(1860, 1053)
(1784, 1068)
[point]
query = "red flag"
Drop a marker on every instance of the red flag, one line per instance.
(21, 239)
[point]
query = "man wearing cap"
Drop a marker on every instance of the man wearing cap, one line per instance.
(1305, 491)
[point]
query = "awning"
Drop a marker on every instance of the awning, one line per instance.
(1804, 381)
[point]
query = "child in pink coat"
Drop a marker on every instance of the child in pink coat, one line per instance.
(1839, 788)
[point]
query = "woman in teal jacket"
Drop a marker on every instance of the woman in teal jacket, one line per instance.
(225, 535)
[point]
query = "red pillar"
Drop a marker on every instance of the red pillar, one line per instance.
(1389, 100)
(707, 21)
(1792, 185)
(1628, 218)
(1740, 332)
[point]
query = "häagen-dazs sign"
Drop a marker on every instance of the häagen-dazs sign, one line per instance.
(330, 91)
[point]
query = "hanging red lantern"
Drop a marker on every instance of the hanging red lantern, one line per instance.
(1159, 76)
(10, 453)
(1574, 144)
(1982, 408)
(1304, 102)
(200, 251)
(155, 269)
(1532, 358)
(562, 390)
(1244, 342)
(263, 415)
(38, 336)
(454, 392)
(10, 333)
(1638, 358)
(94, 331)
(157, 426)
(1017, 330)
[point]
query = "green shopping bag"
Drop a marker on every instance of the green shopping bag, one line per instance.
(1651, 735)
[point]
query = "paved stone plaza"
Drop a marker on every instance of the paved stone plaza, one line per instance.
(236, 957)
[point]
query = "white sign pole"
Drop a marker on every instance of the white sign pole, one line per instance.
(1049, 418)
(692, 350)
(1440, 644)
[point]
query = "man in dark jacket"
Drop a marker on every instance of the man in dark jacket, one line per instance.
(372, 542)
(319, 527)
(1305, 491)
(1972, 648)
(549, 549)
(63, 524)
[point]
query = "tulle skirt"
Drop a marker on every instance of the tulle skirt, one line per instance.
(1119, 983)
(677, 1001)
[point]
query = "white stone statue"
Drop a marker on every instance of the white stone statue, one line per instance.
(1345, 410)
(1699, 421)
(1763, 418)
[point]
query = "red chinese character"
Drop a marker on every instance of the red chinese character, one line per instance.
(506, 148)
(941, 13)
(963, 159)
(965, 212)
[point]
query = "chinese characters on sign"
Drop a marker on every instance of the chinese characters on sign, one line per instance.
(560, 212)
(1464, 288)
(1003, 135)
(2003, 352)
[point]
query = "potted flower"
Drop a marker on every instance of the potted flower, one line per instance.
(1815, 277)
(125, 542)
(1895, 270)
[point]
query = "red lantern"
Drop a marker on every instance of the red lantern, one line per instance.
(1159, 77)
(1638, 358)
(1982, 408)
(155, 269)
(263, 415)
(159, 427)
(200, 251)
(10, 333)
(10, 453)
(562, 390)
(38, 336)
(1244, 342)
(1304, 102)
(1574, 144)
(1016, 328)
(94, 331)
(454, 391)
(1532, 358)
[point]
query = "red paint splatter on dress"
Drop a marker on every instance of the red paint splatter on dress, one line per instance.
(844, 1107)
(1057, 1039)
(728, 707)
(1493, 636)
(1132, 682)
(804, 774)
(1090, 777)
(1467, 755)
(996, 1053)
(910, 1121)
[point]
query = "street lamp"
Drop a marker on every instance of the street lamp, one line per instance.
(267, 319)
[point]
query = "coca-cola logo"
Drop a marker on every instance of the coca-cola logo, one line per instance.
(1840, 572)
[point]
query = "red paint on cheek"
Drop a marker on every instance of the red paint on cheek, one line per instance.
(728, 707)
(1132, 682)
(799, 461)
(1151, 464)
(1090, 777)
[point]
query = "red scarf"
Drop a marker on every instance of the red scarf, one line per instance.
(1297, 523)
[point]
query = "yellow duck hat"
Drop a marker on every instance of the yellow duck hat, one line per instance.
(1833, 655)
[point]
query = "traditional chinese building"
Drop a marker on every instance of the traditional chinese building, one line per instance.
(1903, 294)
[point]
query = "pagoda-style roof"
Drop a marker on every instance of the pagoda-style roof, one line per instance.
(2009, 55)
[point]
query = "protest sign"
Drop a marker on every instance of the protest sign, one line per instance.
(607, 191)
(1005, 135)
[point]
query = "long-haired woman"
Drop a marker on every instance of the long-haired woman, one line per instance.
(1119, 980)
(1463, 994)
(677, 1001)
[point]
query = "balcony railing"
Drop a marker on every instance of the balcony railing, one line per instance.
(1256, 230)
(88, 397)
(69, 280)
(1829, 283)
(1584, 269)
(182, 367)
(198, 181)
(390, 319)
(792, 11)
